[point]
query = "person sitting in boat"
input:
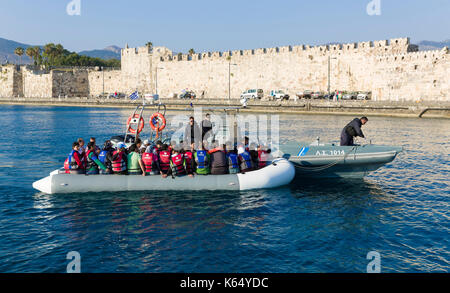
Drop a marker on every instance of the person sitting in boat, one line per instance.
(105, 157)
(189, 157)
(75, 163)
(264, 156)
(93, 164)
(202, 161)
(253, 151)
(156, 148)
(232, 158)
(96, 148)
(135, 166)
(164, 160)
(351, 130)
(151, 163)
(245, 160)
(81, 149)
(177, 162)
(219, 162)
(119, 160)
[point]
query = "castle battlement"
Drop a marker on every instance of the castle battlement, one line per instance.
(381, 47)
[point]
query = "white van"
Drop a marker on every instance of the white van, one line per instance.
(253, 94)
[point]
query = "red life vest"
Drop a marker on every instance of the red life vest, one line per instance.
(188, 158)
(119, 164)
(263, 158)
(164, 161)
(149, 159)
(178, 164)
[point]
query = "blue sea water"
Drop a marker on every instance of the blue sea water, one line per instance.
(401, 211)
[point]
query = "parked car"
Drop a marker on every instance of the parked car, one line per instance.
(117, 95)
(278, 95)
(329, 96)
(187, 95)
(307, 94)
(253, 94)
(363, 96)
(317, 95)
(349, 96)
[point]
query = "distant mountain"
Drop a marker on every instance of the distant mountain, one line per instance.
(111, 52)
(431, 45)
(7, 48)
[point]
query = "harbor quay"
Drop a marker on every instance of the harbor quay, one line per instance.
(423, 109)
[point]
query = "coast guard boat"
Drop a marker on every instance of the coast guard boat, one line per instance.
(320, 160)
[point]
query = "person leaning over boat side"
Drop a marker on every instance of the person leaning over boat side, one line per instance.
(93, 164)
(105, 157)
(75, 163)
(202, 161)
(219, 162)
(135, 166)
(245, 160)
(119, 160)
(164, 160)
(351, 130)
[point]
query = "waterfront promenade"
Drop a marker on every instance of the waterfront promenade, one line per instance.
(301, 106)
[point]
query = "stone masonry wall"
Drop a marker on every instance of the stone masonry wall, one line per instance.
(393, 70)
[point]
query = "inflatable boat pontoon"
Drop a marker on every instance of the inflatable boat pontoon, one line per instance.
(279, 173)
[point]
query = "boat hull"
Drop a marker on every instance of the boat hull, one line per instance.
(280, 173)
(329, 161)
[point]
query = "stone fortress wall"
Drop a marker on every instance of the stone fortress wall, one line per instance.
(393, 70)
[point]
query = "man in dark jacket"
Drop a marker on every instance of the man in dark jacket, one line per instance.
(351, 130)
(206, 127)
(192, 133)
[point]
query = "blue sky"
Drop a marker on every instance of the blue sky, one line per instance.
(220, 25)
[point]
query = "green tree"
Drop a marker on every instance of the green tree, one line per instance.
(19, 51)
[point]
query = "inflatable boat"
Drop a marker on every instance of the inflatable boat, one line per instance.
(319, 160)
(279, 173)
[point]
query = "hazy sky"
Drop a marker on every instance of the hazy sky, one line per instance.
(210, 25)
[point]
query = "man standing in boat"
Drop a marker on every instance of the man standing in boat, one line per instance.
(351, 130)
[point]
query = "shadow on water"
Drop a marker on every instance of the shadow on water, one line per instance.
(335, 187)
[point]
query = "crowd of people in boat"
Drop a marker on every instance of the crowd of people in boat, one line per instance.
(183, 159)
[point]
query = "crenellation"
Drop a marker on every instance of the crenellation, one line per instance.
(388, 68)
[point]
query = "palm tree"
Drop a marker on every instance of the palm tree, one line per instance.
(29, 52)
(34, 53)
(19, 51)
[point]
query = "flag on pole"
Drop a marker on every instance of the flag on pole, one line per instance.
(134, 96)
